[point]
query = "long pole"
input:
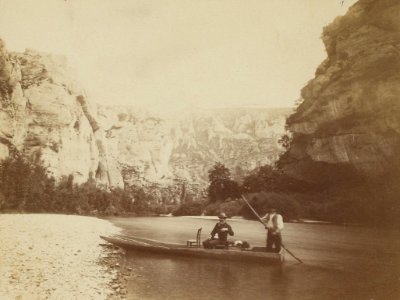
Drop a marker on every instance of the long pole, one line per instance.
(261, 221)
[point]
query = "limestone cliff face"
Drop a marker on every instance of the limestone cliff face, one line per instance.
(175, 154)
(46, 115)
(241, 138)
(41, 117)
(350, 116)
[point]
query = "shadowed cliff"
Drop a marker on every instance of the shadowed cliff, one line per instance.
(346, 132)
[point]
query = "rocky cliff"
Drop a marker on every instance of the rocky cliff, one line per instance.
(176, 153)
(242, 139)
(40, 116)
(349, 120)
(45, 115)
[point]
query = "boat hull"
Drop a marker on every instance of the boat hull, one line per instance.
(256, 254)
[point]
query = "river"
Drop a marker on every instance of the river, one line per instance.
(340, 262)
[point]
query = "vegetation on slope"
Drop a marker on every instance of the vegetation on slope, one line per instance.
(27, 187)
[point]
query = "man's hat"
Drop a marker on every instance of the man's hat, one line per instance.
(222, 216)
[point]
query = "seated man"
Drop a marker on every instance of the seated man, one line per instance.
(222, 229)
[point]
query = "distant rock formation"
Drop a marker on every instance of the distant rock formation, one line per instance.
(165, 154)
(46, 115)
(349, 120)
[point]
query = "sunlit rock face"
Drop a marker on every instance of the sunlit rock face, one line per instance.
(179, 151)
(41, 117)
(350, 115)
(241, 138)
(138, 142)
(46, 115)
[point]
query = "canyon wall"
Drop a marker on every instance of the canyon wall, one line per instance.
(349, 120)
(171, 154)
(46, 116)
(41, 118)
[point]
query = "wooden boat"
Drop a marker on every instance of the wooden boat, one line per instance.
(255, 254)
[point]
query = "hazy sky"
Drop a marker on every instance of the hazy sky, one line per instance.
(178, 53)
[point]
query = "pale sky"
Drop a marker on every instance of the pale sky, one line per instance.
(179, 53)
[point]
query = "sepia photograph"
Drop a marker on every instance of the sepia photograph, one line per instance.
(200, 149)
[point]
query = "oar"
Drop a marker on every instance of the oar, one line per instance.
(259, 219)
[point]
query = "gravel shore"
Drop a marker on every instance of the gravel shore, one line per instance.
(45, 256)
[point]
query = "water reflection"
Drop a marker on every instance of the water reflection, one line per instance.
(340, 263)
(161, 277)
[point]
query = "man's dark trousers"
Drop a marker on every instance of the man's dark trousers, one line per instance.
(274, 240)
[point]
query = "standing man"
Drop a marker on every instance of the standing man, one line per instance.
(274, 224)
(222, 229)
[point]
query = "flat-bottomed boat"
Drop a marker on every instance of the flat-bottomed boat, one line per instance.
(254, 254)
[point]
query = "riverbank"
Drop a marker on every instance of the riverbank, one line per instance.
(45, 256)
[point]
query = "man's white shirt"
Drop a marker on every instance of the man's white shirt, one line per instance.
(270, 224)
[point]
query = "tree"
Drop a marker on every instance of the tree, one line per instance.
(219, 173)
(269, 179)
(189, 209)
(263, 180)
(15, 176)
(221, 185)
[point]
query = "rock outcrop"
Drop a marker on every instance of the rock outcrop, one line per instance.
(46, 115)
(174, 155)
(41, 117)
(242, 139)
(350, 117)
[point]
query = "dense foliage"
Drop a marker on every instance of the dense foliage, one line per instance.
(25, 187)
(225, 194)
(266, 178)
(285, 204)
(191, 208)
(351, 200)
(221, 185)
(231, 207)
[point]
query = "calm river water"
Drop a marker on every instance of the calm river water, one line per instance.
(339, 263)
